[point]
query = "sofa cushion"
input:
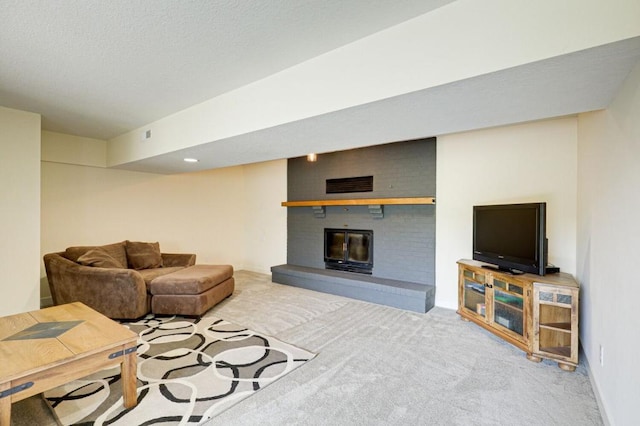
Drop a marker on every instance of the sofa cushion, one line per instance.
(99, 258)
(192, 280)
(115, 250)
(142, 255)
(149, 275)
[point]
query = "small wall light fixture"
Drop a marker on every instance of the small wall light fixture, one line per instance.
(312, 157)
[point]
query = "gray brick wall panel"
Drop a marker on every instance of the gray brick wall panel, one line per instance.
(404, 240)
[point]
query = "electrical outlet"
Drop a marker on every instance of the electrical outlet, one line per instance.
(601, 356)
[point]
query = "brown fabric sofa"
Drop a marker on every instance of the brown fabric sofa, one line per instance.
(113, 279)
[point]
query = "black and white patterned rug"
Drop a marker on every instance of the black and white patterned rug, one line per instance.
(189, 370)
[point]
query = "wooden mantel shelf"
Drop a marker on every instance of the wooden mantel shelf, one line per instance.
(360, 202)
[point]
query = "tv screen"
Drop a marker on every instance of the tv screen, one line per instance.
(511, 236)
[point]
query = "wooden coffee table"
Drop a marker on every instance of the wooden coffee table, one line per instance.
(43, 349)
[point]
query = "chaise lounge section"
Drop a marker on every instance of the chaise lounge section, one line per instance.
(191, 291)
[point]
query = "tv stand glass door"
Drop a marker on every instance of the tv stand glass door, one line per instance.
(494, 301)
(474, 298)
(508, 305)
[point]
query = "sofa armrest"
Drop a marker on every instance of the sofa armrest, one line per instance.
(178, 259)
(114, 292)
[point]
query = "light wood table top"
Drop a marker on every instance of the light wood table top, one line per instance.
(49, 347)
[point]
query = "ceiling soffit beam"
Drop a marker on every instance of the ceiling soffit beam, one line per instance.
(481, 38)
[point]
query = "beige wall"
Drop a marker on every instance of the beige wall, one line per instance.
(230, 215)
(19, 210)
(265, 227)
(520, 163)
(608, 234)
(68, 149)
(240, 206)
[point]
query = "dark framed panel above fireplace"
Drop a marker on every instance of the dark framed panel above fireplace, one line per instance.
(348, 250)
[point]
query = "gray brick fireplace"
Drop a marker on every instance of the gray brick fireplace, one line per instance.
(403, 270)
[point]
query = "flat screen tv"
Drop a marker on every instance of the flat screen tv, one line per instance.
(511, 236)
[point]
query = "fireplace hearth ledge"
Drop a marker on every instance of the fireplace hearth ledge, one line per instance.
(407, 295)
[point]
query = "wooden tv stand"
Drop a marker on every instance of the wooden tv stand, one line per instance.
(538, 314)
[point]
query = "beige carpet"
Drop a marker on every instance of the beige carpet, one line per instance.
(379, 366)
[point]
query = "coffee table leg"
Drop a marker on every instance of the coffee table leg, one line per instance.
(5, 406)
(129, 379)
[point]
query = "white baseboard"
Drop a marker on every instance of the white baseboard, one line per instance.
(594, 386)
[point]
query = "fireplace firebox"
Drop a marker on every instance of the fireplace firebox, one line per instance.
(348, 250)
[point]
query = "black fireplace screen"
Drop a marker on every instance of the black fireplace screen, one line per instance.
(348, 250)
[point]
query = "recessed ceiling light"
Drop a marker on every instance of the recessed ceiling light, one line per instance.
(191, 160)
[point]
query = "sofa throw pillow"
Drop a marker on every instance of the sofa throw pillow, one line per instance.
(98, 257)
(115, 250)
(142, 255)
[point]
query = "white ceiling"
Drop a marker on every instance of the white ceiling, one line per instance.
(102, 68)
